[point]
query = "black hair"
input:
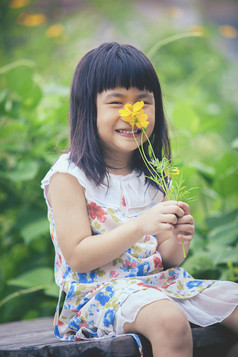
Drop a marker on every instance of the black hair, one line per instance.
(109, 66)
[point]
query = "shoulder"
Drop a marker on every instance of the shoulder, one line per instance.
(64, 174)
(66, 197)
(64, 166)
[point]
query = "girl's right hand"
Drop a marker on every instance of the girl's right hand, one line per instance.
(160, 218)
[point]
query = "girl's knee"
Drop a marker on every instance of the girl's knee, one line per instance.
(162, 319)
(173, 322)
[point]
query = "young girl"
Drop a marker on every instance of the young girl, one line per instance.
(117, 238)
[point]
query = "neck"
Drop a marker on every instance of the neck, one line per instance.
(119, 165)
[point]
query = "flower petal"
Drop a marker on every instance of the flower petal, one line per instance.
(124, 113)
(130, 119)
(128, 107)
(137, 106)
(142, 121)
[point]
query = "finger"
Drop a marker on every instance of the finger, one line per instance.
(169, 218)
(173, 209)
(184, 238)
(184, 206)
(167, 226)
(186, 219)
(184, 228)
(169, 202)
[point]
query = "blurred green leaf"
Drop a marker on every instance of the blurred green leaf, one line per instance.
(206, 171)
(20, 80)
(234, 144)
(34, 229)
(25, 170)
(224, 235)
(32, 98)
(52, 291)
(222, 254)
(184, 116)
(34, 278)
(198, 263)
(221, 220)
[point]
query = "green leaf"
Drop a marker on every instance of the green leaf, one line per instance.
(234, 144)
(33, 278)
(185, 117)
(218, 219)
(53, 291)
(33, 97)
(197, 263)
(25, 170)
(34, 229)
(224, 235)
(204, 170)
(20, 79)
(227, 174)
(222, 255)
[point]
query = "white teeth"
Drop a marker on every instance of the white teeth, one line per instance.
(128, 131)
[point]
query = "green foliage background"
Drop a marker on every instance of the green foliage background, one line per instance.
(199, 95)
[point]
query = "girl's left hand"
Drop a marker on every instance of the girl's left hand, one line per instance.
(184, 228)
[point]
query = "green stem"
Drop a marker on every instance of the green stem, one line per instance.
(141, 153)
(23, 62)
(151, 147)
(170, 39)
(22, 292)
(163, 183)
(142, 149)
(184, 252)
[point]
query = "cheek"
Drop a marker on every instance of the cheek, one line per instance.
(150, 129)
(151, 125)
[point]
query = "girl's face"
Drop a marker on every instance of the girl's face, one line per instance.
(116, 134)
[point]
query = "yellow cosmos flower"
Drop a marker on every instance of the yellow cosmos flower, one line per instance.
(200, 30)
(175, 12)
(228, 31)
(16, 4)
(171, 172)
(134, 115)
(55, 30)
(31, 20)
(175, 171)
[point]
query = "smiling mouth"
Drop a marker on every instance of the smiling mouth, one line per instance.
(129, 131)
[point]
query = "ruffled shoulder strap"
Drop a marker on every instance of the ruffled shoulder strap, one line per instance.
(65, 166)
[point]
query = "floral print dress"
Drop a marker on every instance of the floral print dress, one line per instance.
(93, 299)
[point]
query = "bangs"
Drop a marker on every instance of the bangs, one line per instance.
(123, 67)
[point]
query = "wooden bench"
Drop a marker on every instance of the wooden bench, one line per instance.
(35, 338)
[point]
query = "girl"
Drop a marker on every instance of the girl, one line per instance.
(117, 239)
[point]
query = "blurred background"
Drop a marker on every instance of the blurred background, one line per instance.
(193, 46)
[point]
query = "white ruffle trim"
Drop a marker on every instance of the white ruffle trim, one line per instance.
(210, 306)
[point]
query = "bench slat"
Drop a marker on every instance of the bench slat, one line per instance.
(36, 338)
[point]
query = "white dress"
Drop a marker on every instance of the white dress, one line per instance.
(99, 302)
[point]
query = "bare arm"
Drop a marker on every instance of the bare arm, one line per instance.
(83, 251)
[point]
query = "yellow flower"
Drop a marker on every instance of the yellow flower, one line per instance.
(200, 30)
(55, 30)
(228, 31)
(134, 115)
(175, 12)
(175, 171)
(172, 172)
(30, 20)
(16, 4)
